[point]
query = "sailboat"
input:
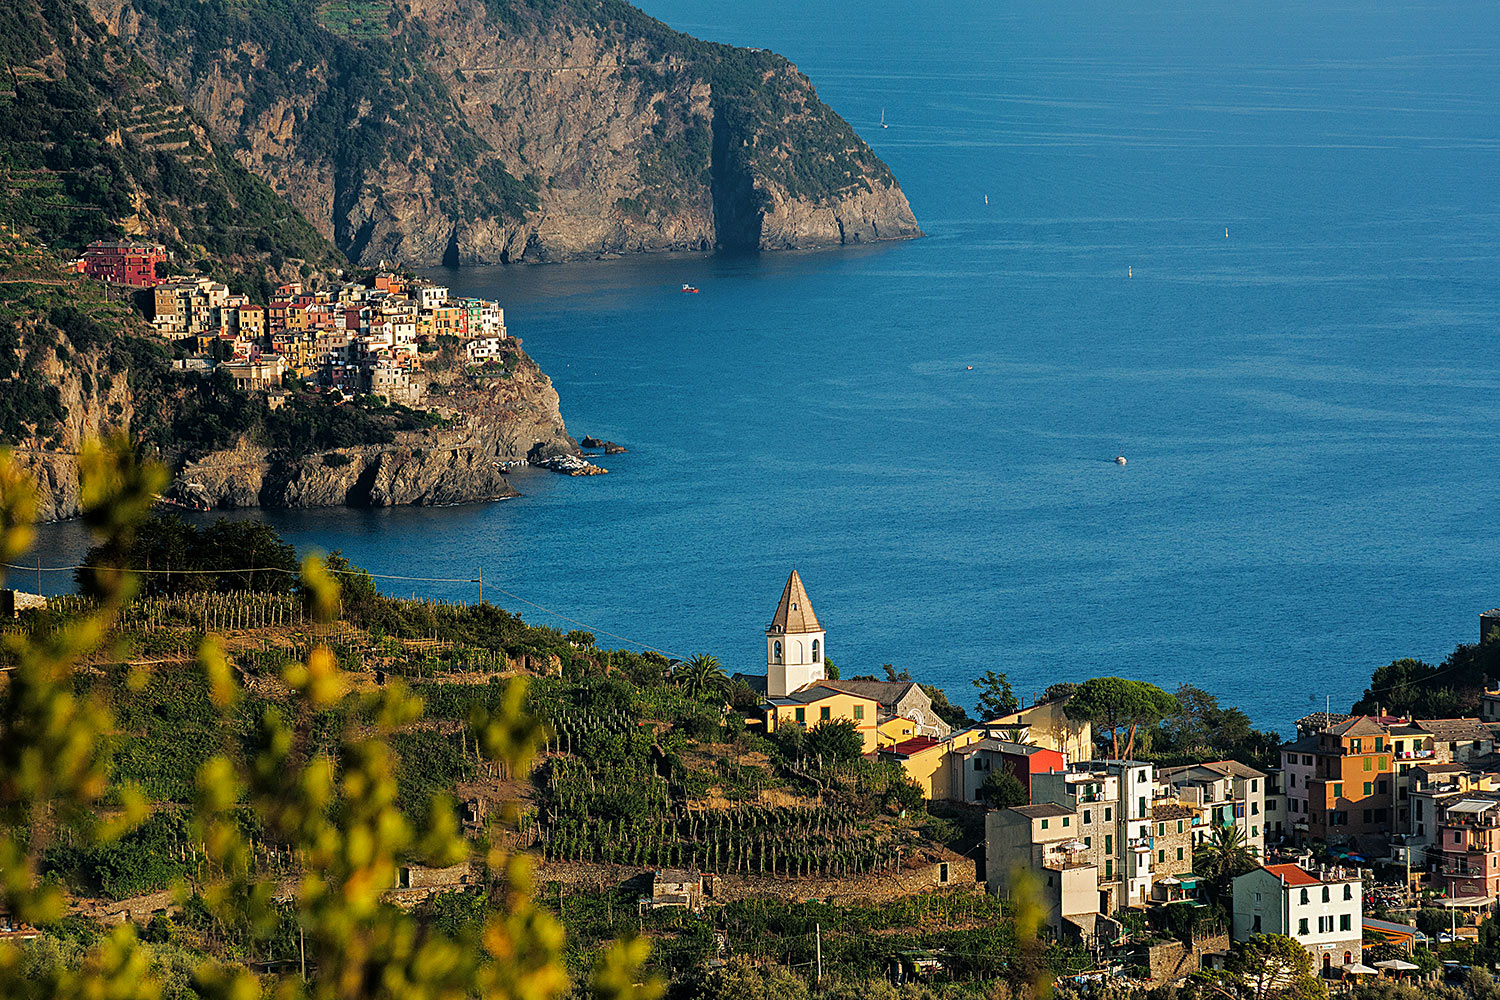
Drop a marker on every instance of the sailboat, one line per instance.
(882, 119)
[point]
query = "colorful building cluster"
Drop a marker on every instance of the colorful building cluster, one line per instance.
(353, 338)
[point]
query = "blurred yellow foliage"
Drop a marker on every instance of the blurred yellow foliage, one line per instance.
(336, 814)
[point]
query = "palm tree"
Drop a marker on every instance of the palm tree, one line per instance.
(1224, 858)
(701, 674)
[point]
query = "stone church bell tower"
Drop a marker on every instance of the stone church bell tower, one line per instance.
(795, 643)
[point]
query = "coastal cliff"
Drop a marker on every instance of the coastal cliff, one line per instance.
(75, 365)
(494, 428)
(485, 131)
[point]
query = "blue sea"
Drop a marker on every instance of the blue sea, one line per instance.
(926, 430)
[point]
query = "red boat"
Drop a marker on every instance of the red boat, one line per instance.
(689, 289)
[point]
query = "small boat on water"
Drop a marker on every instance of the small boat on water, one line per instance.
(689, 289)
(882, 119)
(1119, 459)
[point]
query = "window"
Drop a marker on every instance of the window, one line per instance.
(1307, 760)
(1254, 784)
(943, 872)
(1179, 854)
(1385, 763)
(1348, 894)
(825, 713)
(1326, 894)
(1369, 788)
(978, 764)
(1088, 841)
(1109, 843)
(1383, 786)
(776, 651)
(1379, 743)
(859, 714)
(1161, 829)
(1302, 927)
(1044, 824)
(1255, 929)
(1354, 745)
(1369, 763)
(1255, 809)
(801, 715)
(1161, 857)
(816, 649)
(1254, 832)
(1109, 868)
(1108, 814)
(1066, 819)
(1088, 816)
(1303, 900)
(1142, 804)
(1179, 826)
(1338, 789)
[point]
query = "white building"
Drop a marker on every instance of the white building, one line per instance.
(1227, 793)
(795, 642)
(482, 349)
(430, 297)
(1322, 911)
(1112, 799)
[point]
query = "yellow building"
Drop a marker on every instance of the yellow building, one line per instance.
(1046, 725)
(816, 704)
(933, 763)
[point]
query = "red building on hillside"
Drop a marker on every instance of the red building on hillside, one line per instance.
(124, 263)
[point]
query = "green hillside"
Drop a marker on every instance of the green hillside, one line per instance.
(94, 144)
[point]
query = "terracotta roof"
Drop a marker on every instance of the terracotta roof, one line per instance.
(915, 745)
(1292, 875)
(794, 612)
(1360, 725)
(1170, 810)
(1235, 768)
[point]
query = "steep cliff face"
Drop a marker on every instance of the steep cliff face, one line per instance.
(508, 130)
(497, 426)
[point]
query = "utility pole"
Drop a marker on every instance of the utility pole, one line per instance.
(818, 928)
(481, 583)
(302, 950)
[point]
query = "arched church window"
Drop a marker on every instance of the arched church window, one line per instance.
(776, 651)
(816, 651)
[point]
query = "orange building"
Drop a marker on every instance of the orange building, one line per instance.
(1350, 792)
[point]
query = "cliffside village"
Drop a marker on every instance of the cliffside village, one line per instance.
(350, 338)
(1418, 797)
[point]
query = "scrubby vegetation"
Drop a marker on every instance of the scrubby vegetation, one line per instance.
(91, 138)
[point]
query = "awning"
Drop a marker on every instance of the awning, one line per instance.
(1168, 880)
(1466, 902)
(1396, 965)
(1356, 969)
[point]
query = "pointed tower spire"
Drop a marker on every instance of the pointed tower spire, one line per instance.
(794, 613)
(794, 642)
